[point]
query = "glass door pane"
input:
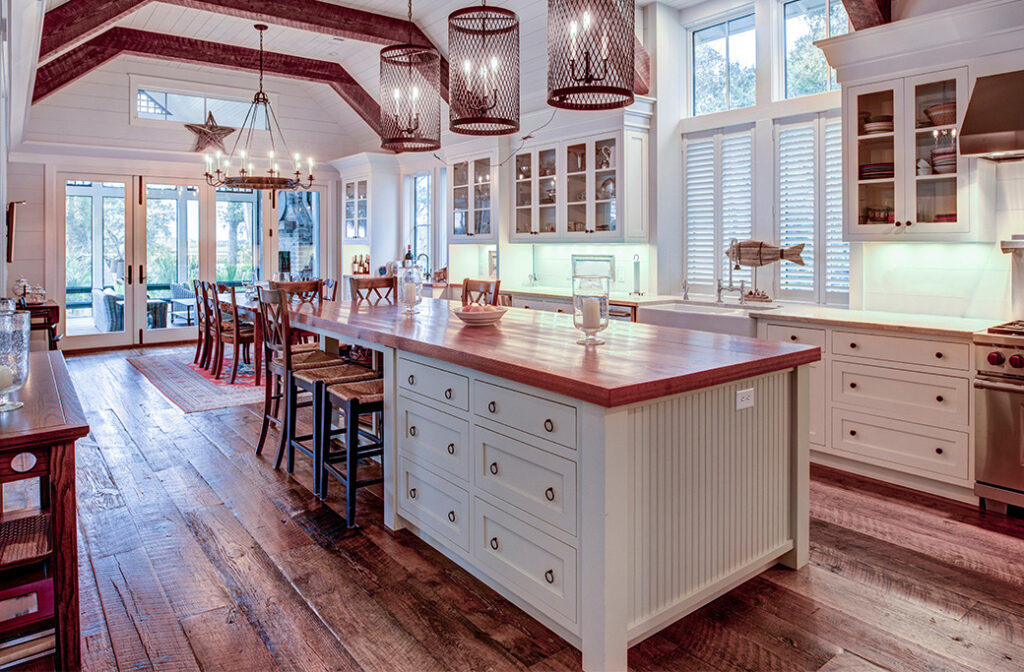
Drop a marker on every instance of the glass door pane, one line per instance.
(298, 231)
(547, 191)
(935, 152)
(171, 260)
(876, 160)
(460, 199)
(605, 186)
(524, 194)
(576, 188)
(95, 261)
(482, 197)
(238, 235)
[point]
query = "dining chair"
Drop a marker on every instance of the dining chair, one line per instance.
(232, 330)
(210, 333)
(329, 291)
(201, 322)
(480, 291)
(374, 290)
(300, 291)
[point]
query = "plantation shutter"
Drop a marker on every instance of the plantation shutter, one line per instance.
(797, 171)
(699, 181)
(837, 252)
(737, 197)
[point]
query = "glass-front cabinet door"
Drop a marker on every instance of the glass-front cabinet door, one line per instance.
(472, 197)
(591, 194)
(536, 195)
(875, 164)
(356, 210)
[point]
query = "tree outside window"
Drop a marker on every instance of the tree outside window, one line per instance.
(804, 22)
(724, 66)
(421, 216)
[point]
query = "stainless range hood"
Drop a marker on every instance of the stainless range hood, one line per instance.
(993, 126)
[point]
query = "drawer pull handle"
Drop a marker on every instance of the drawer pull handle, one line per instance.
(853, 432)
(494, 543)
(938, 451)
(792, 337)
(451, 448)
(853, 346)
(448, 394)
(549, 576)
(412, 379)
(493, 468)
(412, 431)
(938, 355)
(549, 426)
(492, 407)
(412, 493)
(549, 494)
(451, 516)
(853, 386)
(939, 399)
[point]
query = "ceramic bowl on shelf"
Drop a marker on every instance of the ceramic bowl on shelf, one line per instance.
(942, 114)
(485, 316)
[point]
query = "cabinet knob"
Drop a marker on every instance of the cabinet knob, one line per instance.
(909, 223)
(792, 337)
(938, 355)
(492, 407)
(899, 224)
(412, 379)
(853, 432)
(494, 543)
(451, 516)
(938, 451)
(493, 468)
(451, 448)
(549, 425)
(853, 386)
(549, 494)
(448, 393)
(939, 399)
(549, 576)
(853, 346)
(412, 493)
(412, 431)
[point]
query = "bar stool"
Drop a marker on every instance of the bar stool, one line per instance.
(353, 400)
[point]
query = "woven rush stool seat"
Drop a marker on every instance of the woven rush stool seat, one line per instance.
(330, 375)
(307, 359)
(369, 392)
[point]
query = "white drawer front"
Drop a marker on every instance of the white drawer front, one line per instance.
(926, 451)
(532, 479)
(534, 565)
(894, 349)
(435, 384)
(431, 501)
(802, 335)
(547, 419)
(434, 438)
(908, 395)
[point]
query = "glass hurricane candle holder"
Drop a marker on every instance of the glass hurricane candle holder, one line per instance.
(14, 340)
(410, 287)
(590, 306)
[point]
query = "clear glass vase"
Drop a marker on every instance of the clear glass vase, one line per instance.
(410, 287)
(14, 347)
(590, 306)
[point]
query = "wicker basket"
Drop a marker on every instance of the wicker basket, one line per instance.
(943, 114)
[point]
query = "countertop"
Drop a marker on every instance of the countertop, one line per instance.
(618, 298)
(637, 363)
(52, 413)
(960, 327)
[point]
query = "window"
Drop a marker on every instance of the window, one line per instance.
(724, 66)
(719, 194)
(152, 103)
(421, 230)
(810, 210)
(804, 22)
(238, 234)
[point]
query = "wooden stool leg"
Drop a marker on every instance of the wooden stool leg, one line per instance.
(234, 362)
(268, 401)
(319, 439)
(351, 460)
(289, 415)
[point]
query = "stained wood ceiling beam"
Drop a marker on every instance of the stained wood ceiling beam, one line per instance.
(68, 67)
(868, 13)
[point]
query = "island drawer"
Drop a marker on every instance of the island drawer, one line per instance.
(909, 395)
(547, 419)
(431, 501)
(910, 351)
(436, 384)
(789, 334)
(536, 481)
(926, 451)
(530, 563)
(434, 438)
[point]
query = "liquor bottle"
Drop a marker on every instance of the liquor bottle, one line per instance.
(408, 254)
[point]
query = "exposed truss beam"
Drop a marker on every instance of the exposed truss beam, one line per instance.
(68, 67)
(868, 13)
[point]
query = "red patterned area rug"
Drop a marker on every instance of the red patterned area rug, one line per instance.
(193, 389)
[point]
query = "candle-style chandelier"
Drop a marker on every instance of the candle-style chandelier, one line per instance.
(590, 54)
(238, 170)
(483, 83)
(410, 100)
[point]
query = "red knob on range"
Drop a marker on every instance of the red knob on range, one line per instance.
(1017, 361)
(996, 358)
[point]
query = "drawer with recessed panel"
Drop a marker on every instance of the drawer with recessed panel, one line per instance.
(547, 419)
(434, 438)
(904, 350)
(907, 395)
(802, 335)
(434, 503)
(446, 387)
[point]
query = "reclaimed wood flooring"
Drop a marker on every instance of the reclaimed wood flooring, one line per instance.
(196, 555)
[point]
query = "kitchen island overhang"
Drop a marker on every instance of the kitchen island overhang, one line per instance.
(607, 491)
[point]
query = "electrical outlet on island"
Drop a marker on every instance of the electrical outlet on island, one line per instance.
(744, 398)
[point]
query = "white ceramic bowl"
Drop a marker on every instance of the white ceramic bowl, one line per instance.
(482, 318)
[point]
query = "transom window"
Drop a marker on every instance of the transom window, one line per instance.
(804, 22)
(185, 108)
(724, 66)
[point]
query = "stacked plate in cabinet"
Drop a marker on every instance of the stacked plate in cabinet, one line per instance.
(944, 160)
(877, 171)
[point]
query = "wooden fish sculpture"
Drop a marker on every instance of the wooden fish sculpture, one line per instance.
(760, 253)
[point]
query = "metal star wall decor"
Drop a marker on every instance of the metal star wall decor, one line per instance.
(210, 134)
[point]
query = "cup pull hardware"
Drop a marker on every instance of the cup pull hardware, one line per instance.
(448, 394)
(451, 448)
(549, 425)
(549, 576)
(412, 431)
(493, 468)
(412, 493)
(412, 379)
(494, 543)
(549, 494)
(451, 516)
(492, 407)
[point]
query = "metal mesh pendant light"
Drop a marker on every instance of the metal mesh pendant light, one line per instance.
(590, 54)
(410, 99)
(483, 84)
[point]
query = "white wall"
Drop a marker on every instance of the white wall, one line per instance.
(25, 183)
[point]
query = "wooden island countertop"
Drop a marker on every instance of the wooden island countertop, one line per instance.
(638, 362)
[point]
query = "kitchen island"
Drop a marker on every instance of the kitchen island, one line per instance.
(606, 491)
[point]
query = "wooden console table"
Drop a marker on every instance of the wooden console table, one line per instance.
(45, 317)
(38, 440)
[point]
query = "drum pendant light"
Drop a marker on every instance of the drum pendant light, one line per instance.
(410, 100)
(483, 84)
(590, 54)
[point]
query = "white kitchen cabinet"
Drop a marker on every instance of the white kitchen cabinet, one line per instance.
(905, 178)
(819, 391)
(473, 199)
(535, 195)
(355, 204)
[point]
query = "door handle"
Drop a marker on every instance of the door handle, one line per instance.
(998, 387)
(142, 275)
(128, 280)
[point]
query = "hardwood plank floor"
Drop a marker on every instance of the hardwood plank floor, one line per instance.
(196, 554)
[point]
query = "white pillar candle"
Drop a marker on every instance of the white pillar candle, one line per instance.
(409, 292)
(6, 377)
(591, 313)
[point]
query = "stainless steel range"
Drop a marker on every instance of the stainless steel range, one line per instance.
(999, 425)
